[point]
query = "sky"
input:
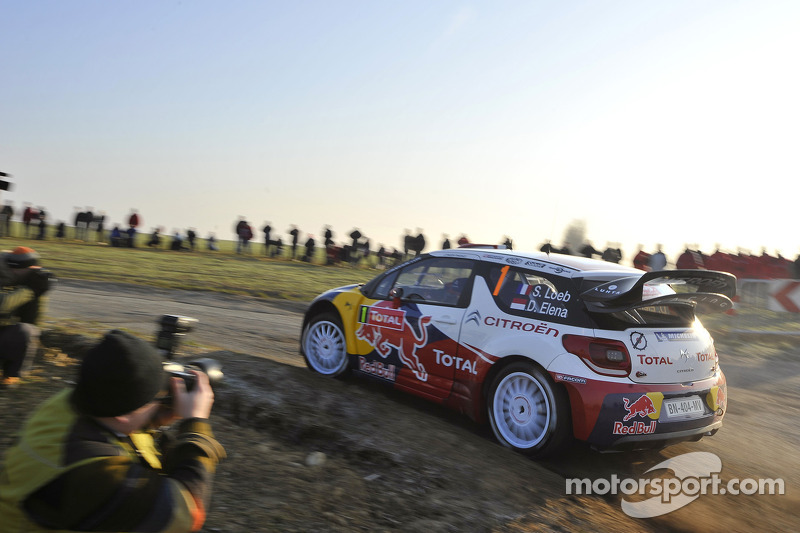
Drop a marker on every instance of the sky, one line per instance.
(658, 122)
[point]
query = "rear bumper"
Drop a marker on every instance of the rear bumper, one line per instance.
(618, 415)
(643, 442)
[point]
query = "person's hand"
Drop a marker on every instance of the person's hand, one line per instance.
(195, 403)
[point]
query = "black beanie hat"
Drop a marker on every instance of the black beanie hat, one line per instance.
(118, 375)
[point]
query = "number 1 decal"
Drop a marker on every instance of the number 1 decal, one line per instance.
(503, 271)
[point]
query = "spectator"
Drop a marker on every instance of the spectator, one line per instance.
(446, 242)
(28, 216)
(689, 260)
(177, 242)
(117, 238)
(88, 216)
(99, 227)
(23, 283)
(243, 234)
(131, 239)
(133, 223)
(41, 222)
(278, 249)
(5, 219)
(191, 238)
(658, 261)
(408, 243)
(419, 243)
(642, 259)
(267, 241)
(155, 238)
(295, 233)
(211, 242)
(588, 250)
(352, 252)
(612, 254)
(310, 246)
(133, 219)
(87, 459)
(382, 254)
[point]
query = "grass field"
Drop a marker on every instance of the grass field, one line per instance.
(221, 271)
(254, 274)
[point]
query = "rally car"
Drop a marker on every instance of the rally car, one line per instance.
(545, 347)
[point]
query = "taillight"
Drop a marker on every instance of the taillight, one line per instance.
(604, 356)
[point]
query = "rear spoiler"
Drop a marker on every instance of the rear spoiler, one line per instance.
(710, 291)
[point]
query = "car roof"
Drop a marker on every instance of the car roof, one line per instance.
(576, 265)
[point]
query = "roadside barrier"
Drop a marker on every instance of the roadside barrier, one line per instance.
(767, 307)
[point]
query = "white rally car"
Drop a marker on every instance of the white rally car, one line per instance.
(546, 347)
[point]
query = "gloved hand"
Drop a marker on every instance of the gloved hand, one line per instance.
(39, 281)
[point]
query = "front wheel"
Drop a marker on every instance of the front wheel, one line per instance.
(324, 346)
(527, 411)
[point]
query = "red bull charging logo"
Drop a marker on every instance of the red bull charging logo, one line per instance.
(385, 328)
(641, 407)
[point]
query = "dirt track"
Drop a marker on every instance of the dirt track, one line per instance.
(395, 463)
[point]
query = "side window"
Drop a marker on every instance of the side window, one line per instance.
(439, 280)
(528, 293)
(383, 288)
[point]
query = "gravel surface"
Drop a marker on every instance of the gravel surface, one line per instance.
(313, 454)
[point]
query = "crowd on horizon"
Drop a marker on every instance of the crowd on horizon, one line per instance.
(89, 226)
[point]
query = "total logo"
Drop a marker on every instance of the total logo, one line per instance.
(461, 364)
(654, 360)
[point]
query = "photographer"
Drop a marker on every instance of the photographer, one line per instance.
(87, 459)
(22, 284)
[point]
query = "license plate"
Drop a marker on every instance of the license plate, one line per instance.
(684, 407)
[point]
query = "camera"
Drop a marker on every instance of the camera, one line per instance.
(211, 367)
(173, 329)
(168, 339)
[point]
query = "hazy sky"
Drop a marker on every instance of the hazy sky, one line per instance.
(653, 121)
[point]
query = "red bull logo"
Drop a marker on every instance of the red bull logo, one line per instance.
(636, 428)
(376, 368)
(385, 328)
(641, 407)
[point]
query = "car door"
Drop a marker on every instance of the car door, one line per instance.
(414, 329)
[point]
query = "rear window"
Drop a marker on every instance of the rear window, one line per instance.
(661, 316)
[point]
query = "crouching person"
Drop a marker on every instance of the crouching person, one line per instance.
(87, 459)
(22, 287)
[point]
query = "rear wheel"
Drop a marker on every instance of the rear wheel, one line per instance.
(324, 346)
(527, 411)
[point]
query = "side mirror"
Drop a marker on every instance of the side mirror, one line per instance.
(397, 296)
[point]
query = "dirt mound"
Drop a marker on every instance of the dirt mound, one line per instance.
(311, 454)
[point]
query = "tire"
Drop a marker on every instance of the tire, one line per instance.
(324, 346)
(527, 411)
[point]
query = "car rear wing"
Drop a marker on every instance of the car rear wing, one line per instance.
(707, 290)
